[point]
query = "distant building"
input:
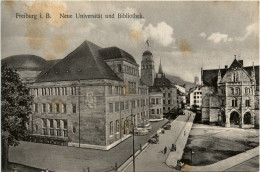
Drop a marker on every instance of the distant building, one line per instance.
(230, 96)
(156, 104)
(195, 97)
(181, 95)
(168, 89)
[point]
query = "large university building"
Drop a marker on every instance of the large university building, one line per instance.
(230, 96)
(87, 98)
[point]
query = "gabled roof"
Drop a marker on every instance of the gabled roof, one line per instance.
(210, 77)
(116, 53)
(83, 63)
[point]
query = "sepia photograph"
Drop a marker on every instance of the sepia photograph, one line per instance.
(129, 86)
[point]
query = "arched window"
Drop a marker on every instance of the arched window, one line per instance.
(237, 91)
(232, 90)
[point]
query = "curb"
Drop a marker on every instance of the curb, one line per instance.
(226, 163)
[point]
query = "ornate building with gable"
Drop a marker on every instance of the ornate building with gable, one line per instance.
(230, 96)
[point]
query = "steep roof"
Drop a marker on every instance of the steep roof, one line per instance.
(210, 77)
(163, 81)
(115, 53)
(160, 71)
(25, 62)
(83, 63)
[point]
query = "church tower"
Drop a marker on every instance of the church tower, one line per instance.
(147, 68)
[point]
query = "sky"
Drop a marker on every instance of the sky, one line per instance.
(184, 35)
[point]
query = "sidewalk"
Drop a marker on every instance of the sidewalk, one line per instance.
(226, 163)
(153, 158)
(180, 144)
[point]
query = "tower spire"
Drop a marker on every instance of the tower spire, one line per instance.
(160, 71)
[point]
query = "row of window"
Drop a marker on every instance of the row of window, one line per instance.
(127, 69)
(164, 108)
(196, 97)
(55, 127)
(156, 111)
(234, 103)
(168, 102)
(195, 93)
(164, 94)
(155, 101)
(117, 106)
(236, 91)
(59, 91)
(57, 108)
(147, 66)
(197, 101)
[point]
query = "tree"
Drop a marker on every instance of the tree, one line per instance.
(16, 109)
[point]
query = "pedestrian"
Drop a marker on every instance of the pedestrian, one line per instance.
(165, 150)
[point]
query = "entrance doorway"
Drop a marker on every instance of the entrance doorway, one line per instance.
(247, 118)
(234, 118)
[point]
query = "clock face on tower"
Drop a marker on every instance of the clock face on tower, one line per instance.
(235, 68)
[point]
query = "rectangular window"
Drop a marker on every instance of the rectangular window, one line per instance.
(138, 103)
(58, 123)
(164, 102)
(157, 101)
(152, 111)
(169, 101)
(44, 123)
(74, 108)
(117, 107)
(110, 107)
(158, 111)
(122, 106)
(64, 108)
(247, 103)
(169, 94)
(126, 104)
(119, 68)
(65, 124)
(57, 107)
(133, 104)
(163, 108)
(117, 126)
(169, 108)
(35, 107)
(194, 101)
(51, 123)
(110, 90)
(50, 108)
(111, 128)
(44, 108)
(163, 94)
(194, 97)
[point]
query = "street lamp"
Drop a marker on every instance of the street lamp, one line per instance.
(133, 130)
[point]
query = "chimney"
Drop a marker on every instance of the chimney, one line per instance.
(241, 62)
(226, 66)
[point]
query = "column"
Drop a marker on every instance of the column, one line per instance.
(227, 124)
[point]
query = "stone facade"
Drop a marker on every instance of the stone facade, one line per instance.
(156, 104)
(230, 96)
(87, 98)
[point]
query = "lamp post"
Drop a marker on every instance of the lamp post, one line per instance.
(79, 110)
(133, 130)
